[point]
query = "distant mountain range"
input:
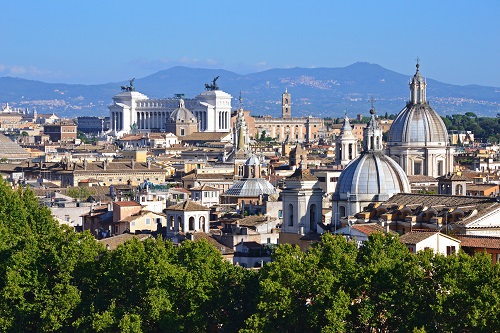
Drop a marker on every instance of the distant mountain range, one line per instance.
(320, 92)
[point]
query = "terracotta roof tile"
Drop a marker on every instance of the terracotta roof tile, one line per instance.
(188, 205)
(486, 242)
(414, 237)
(368, 229)
(114, 242)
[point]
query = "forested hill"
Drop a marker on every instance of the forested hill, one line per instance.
(53, 279)
(320, 92)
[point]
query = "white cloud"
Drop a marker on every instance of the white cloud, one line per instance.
(31, 72)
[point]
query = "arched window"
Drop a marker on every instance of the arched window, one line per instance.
(459, 189)
(290, 215)
(191, 223)
(312, 217)
(180, 224)
(342, 211)
(202, 223)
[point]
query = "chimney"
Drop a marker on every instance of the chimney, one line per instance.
(104, 165)
(133, 164)
(85, 164)
(149, 164)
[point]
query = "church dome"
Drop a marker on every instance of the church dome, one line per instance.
(373, 176)
(418, 124)
(181, 114)
(251, 187)
(252, 160)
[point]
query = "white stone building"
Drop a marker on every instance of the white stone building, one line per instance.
(134, 110)
(187, 216)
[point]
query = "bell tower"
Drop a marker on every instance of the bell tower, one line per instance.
(286, 105)
(346, 144)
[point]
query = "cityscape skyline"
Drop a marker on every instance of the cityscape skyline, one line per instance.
(95, 42)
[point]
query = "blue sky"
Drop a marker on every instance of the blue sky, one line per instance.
(99, 41)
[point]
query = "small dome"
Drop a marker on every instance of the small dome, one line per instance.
(251, 187)
(418, 124)
(253, 160)
(372, 177)
(181, 114)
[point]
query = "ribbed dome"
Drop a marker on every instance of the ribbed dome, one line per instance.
(418, 124)
(251, 187)
(372, 176)
(181, 114)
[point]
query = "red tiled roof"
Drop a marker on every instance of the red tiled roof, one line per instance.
(483, 242)
(368, 229)
(204, 187)
(414, 237)
(188, 206)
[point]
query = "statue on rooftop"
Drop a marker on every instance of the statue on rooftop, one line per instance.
(212, 86)
(130, 87)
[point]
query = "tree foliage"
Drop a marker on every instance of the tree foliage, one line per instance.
(485, 129)
(53, 279)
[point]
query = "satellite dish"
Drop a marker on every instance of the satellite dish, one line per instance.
(349, 222)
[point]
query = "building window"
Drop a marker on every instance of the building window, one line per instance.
(417, 168)
(440, 168)
(132, 223)
(450, 250)
(148, 220)
(342, 211)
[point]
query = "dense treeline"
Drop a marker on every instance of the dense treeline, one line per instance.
(485, 129)
(55, 280)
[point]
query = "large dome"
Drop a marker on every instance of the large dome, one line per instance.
(418, 124)
(373, 176)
